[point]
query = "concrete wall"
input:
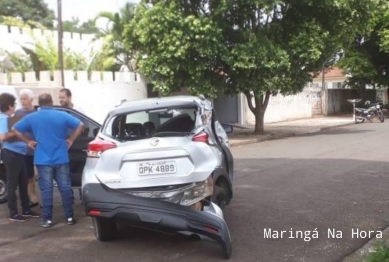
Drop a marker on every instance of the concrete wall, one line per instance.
(335, 101)
(280, 108)
(94, 96)
(283, 108)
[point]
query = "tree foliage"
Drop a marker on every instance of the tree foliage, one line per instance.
(366, 58)
(384, 32)
(28, 10)
(40, 54)
(15, 62)
(75, 26)
(257, 47)
(44, 56)
(113, 46)
(13, 21)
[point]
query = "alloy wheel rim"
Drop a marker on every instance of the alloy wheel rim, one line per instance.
(2, 188)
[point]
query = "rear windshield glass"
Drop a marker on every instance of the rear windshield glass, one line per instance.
(149, 123)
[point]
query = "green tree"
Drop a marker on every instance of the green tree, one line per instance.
(28, 10)
(257, 47)
(102, 59)
(13, 21)
(384, 32)
(75, 26)
(113, 36)
(17, 62)
(44, 56)
(366, 59)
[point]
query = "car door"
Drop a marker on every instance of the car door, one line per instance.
(77, 153)
(223, 143)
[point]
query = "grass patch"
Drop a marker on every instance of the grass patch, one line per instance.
(379, 254)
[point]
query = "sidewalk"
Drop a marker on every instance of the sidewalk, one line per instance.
(243, 135)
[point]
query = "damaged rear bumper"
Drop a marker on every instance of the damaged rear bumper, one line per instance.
(156, 215)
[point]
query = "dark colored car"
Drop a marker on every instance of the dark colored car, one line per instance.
(77, 153)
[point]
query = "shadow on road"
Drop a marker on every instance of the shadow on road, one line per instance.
(276, 193)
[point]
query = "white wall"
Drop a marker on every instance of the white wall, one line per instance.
(12, 37)
(280, 108)
(283, 108)
(95, 96)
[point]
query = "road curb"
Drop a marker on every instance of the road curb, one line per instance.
(285, 135)
(341, 125)
(360, 253)
(262, 139)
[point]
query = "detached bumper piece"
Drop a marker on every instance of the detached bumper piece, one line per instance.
(100, 201)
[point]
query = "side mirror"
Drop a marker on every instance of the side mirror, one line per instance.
(228, 128)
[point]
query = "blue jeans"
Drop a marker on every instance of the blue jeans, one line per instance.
(61, 174)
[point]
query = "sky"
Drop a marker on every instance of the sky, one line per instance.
(86, 9)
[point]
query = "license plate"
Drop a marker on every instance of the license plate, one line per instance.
(157, 168)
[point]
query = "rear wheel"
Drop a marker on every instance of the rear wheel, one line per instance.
(104, 229)
(221, 195)
(3, 186)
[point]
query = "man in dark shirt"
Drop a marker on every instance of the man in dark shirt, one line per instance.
(49, 127)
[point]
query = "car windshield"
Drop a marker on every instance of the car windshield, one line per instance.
(154, 122)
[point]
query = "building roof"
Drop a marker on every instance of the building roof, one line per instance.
(334, 72)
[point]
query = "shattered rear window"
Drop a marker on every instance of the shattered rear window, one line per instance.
(150, 123)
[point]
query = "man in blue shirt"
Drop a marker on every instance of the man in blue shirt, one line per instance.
(13, 155)
(49, 128)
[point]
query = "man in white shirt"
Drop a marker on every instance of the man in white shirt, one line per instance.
(65, 99)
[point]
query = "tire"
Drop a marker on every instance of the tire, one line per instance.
(221, 197)
(3, 187)
(104, 229)
(359, 120)
(382, 117)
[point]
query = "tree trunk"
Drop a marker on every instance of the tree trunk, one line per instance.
(258, 109)
(259, 121)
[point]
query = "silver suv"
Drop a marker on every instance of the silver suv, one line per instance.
(163, 164)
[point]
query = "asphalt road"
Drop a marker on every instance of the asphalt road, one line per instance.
(334, 179)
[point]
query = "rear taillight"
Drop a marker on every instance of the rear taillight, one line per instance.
(96, 147)
(201, 137)
(93, 212)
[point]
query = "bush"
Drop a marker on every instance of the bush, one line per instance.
(380, 253)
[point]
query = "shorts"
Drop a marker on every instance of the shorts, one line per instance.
(29, 164)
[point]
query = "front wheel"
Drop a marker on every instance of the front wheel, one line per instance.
(104, 229)
(3, 188)
(382, 117)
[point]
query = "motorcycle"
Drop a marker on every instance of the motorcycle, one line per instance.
(373, 110)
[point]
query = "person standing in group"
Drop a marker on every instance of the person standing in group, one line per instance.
(65, 99)
(49, 128)
(13, 155)
(26, 97)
